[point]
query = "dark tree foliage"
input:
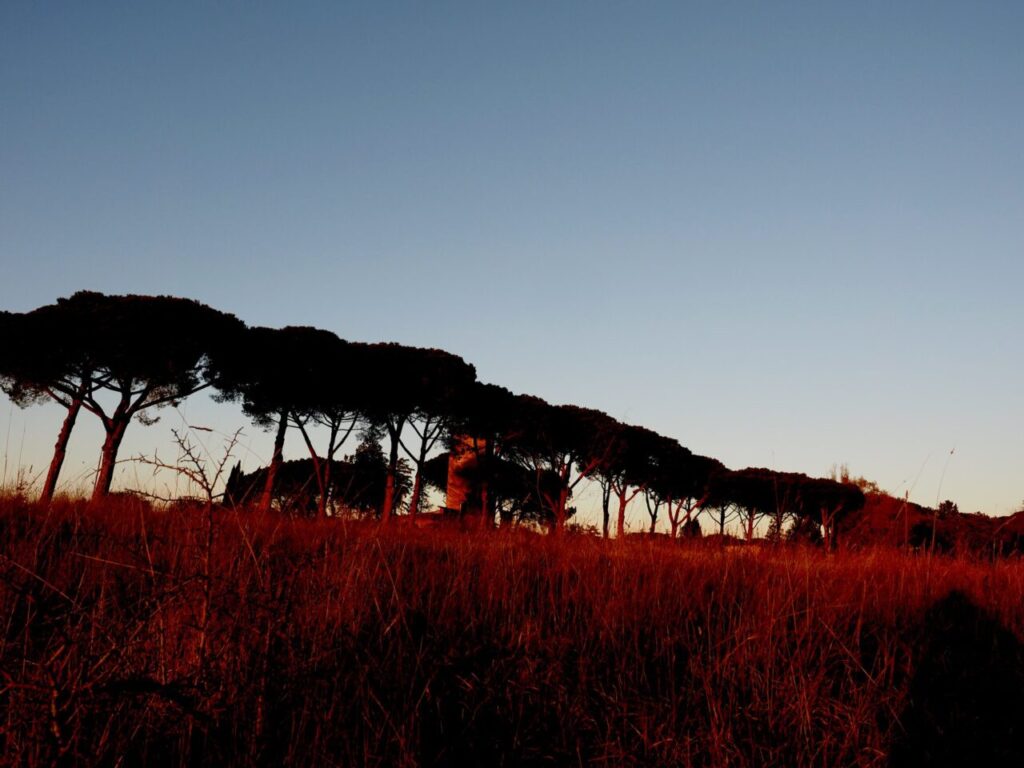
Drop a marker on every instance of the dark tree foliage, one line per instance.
(691, 529)
(627, 458)
(806, 531)
(47, 357)
(329, 394)
(485, 422)
(511, 487)
(827, 502)
(682, 481)
(120, 356)
(757, 492)
(256, 373)
(297, 376)
(557, 439)
(720, 500)
(356, 484)
(444, 383)
(141, 352)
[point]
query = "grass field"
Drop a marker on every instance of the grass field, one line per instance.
(141, 637)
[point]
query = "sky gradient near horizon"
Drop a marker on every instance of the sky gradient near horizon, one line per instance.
(789, 235)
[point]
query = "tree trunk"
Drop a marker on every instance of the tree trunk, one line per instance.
(414, 500)
(325, 487)
(60, 450)
(652, 512)
(319, 472)
(620, 525)
(563, 498)
(417, 487)
(486, 508)
(606, 497)
(275, 463)
(486, 502)
(108, 456)
(389, 486)
(828, 527)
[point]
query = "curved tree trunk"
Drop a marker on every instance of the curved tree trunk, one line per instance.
(108, 457)
(275, 463)
(60, 450)
(321, 470)
(652, 512)
(673, 516)
(620, 523)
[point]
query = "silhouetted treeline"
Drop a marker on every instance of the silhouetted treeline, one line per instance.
(509, 456)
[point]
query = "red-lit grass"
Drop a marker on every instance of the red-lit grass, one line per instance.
(133, 635)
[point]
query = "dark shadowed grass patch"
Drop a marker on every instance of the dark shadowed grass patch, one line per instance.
(966, 699)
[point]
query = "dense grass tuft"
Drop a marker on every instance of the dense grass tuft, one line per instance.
(146, 637)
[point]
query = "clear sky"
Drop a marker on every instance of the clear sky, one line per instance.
(787, 234)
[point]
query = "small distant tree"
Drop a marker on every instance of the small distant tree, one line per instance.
(805, 530)
(356, 484)
(841, 474)
(363, 483)
(691, 529)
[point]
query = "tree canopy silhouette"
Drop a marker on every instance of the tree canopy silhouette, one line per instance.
(682, 482)
(411, 386)
(44, 359)
(626, 457)
(297, 376)
(142, 352)
(559, 439)
(118, 357)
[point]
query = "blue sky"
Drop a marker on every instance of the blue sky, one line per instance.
(787, 234)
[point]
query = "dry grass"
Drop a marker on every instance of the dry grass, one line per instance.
(133, 636)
